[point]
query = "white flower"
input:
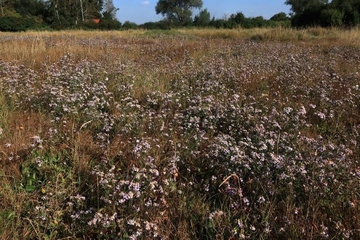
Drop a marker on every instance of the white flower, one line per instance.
(288, 110)
(321, 115)
(261, 199)
(36, 139)
(302, 111)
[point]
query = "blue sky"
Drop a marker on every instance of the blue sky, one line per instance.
(140, 11)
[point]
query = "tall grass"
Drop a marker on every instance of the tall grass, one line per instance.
(187, 134)
(33, 47)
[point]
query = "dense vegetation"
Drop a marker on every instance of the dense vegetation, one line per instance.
(19, 15)
(335, 13)
(170, 135)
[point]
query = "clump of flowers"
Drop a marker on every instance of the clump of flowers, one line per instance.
(239, 143)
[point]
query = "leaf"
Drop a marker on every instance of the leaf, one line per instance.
(30, 188)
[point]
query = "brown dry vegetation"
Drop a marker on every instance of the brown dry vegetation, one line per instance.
(181, 134)
(35, 47)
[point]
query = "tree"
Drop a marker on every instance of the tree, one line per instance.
(202, 19)
(109, 24)
(281, 16)
(109, 10)
(331, 17)
(350, 10)
(61, 14)
(93, 8)
(300, 6)
(129, 25)
(178, 11)
(238, 18)
(29, 7)
(306, 12)
(5, 6)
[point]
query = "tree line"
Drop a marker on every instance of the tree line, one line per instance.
(19, 15)
(304, 13)
(204, 19)
(335, 13)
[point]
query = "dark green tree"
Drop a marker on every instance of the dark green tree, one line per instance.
(350, 10)
(331, 17)
(150, 25)
(178, 12)
(109, 24)
(92, 9)
(29, 7)
(202, 19)
(237, 19)
(129, 25)
(6, 7)
(300, 6)
(110, 10)
(62, 14)
(323, 12)
(281, 16)
(306, 12)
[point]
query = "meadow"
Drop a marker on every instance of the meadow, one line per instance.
(180, 134)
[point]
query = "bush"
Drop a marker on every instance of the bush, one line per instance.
(150, 25)
(109, 24)
(279, 17)
(130, 25)
(331, 18)
(16, 24)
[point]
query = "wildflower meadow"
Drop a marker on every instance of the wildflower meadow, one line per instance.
(175, 135)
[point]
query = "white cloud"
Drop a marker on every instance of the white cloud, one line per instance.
(145, 2)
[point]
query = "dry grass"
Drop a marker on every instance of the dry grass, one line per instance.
(32, 48)
(180, 134)
(343, 36)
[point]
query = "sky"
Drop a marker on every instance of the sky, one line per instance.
(141, 11)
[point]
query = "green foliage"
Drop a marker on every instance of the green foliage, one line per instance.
(218, 23)
(336, 13)
(308, 18)
(29, 7)
(57, 14)
(163, 24)
(331, 18)
(109, 24)
(16, 24)
(279, 17)
(237, 18)
(90, 25)
(38, 169)
(178, 12)
(150, 25)
(129, 25)
(350, 9)
(109, 10)
(202, 19)
(301, 6)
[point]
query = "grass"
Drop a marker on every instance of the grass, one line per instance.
(346, 37)
(180, 134)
